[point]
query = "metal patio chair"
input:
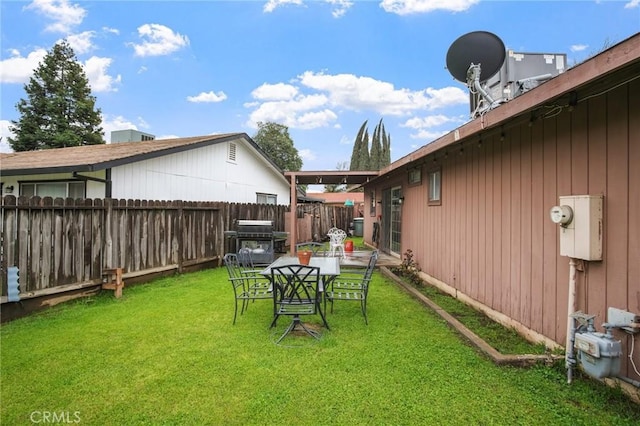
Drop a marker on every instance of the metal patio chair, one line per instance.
(336, 242)
(297, 291)
(246, 286)
(352, 286)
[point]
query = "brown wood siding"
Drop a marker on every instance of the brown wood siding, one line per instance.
(550, 229)
(633, 254)
(597, 184)
(492, 238)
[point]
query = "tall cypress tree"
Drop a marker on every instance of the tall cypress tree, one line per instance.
(60, 110)
(356, 154)
(386, 150)
(376, 147)
(380, 154)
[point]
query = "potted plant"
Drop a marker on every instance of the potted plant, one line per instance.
(304, 256)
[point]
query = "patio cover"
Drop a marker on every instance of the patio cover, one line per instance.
(333, 177)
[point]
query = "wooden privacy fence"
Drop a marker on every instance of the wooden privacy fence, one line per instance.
(60, 244)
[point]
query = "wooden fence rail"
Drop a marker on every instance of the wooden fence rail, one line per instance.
(66, 243)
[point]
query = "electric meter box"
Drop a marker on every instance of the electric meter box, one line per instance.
(599, 355)
(581, 237)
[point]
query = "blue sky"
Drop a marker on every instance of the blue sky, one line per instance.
(323, 67)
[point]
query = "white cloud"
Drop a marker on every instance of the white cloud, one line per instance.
(142, 69)
(304, 112)
(445, 97)
(427, 122)
(578, 47)
(271, 5)
(275, 92)
(158, 40)
(111, 30)
(408, 7)
(4, 134)
(425, 125)
(632, 4)
(18, 69)
(428, 135)
(314, 102)
(208, 97)
(167, 137)
(307, 154)
(118, 122)
(365, 93)
(143, 123)
(313, 119)
(96, 70)
(341, 7)
(65, 15)
(81, 43)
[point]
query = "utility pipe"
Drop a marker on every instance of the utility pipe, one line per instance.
(571, 328)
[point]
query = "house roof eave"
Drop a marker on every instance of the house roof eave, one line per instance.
(623, 57)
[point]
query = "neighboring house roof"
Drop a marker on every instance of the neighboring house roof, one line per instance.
(99, 157)
(339, 197)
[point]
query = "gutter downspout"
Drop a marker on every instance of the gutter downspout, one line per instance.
(108, 186)
(106, 181)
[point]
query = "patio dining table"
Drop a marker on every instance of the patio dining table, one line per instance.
(329, 266)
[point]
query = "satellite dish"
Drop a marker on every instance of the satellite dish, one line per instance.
(473, 59)
(476, 48)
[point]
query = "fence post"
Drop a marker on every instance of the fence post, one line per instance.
(180, 234)
(108, 246)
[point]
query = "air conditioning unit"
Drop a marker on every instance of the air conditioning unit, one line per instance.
(520, 73)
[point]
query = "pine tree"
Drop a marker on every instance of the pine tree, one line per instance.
(60, 111)
(276, 143)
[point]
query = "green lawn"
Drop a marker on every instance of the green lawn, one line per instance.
(167, 353)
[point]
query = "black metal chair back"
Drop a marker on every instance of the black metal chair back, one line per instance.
(297, 291)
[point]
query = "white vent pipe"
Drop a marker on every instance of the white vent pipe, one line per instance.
(571, 329)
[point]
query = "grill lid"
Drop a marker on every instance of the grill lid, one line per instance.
(254, 223)
(255, 228)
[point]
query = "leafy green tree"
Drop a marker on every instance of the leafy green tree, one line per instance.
(275, 141)
(59, 110)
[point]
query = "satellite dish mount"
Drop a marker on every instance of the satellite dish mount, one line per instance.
(465, 57)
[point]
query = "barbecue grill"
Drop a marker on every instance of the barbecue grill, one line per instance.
(259, 237)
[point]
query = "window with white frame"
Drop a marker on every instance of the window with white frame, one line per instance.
(266, 198)
(435, 184)
(70, 189)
